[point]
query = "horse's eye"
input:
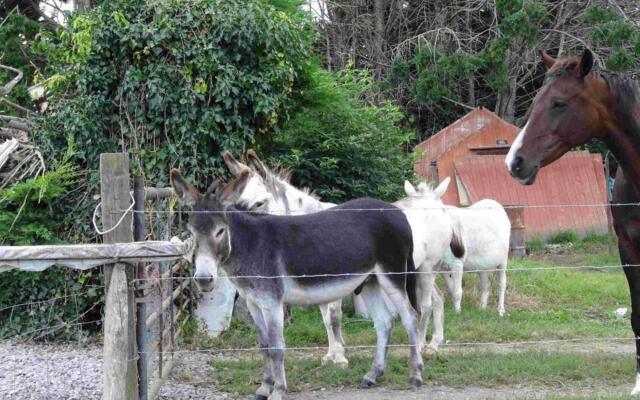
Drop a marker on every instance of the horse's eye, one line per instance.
(559, 105)
(258, 204)
(219, 233)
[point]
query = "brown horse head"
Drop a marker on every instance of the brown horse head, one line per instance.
(569, 109)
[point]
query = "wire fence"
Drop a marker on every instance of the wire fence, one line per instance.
(439, 272)
(448, 345)
(159, 213)
(232, 210)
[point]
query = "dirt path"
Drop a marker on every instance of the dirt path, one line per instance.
(75, 372)
(466, 393)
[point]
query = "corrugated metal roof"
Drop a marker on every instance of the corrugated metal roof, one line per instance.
(455, 133)
(565, 194)
(487, 135)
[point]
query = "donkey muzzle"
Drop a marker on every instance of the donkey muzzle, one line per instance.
(204, 281)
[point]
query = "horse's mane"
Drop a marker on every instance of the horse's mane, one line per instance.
(624, 87)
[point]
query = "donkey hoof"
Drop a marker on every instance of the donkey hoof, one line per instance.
(341, 361)
(336, 359)
(261, 397)
(366, 383)
(415, 382)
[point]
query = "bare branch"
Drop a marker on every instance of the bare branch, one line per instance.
(6, 89)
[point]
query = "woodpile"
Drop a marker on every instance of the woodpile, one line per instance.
(19, 160)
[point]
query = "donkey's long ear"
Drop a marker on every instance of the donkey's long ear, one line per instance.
(215, 189)
(439, 191)
(409, 189)
(235, 166)
(185, 192)
(547, 59)
(234, 188)
(257, 164)
(586, 63)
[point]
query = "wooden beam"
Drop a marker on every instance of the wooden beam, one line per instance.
(84, 256)
(168, 301)
(166, 370)
(120, 375)
(156, 193)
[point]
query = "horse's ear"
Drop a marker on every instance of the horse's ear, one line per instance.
(586, 63)
(234, 166)
(409, 189)
(185, 192)
(439, 191)
(256, 163)
(547, 59)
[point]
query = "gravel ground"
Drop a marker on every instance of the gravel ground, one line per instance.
(72, 371)
(50, 372)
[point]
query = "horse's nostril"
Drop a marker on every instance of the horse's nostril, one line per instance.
(517, 163)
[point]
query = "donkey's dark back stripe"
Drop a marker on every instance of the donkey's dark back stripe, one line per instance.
(350, 238)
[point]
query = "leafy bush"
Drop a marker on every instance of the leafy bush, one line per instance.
(174, 83)
(26, 217)
(611, 30)
(338, 144)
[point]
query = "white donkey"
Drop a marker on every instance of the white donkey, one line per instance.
(435, 241)
(485, 229)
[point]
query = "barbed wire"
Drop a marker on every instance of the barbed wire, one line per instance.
(61, 325)
(395, 208)
(405, 345)
(440, 272)
(53, 299)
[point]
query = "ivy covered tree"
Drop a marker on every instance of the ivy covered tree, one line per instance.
(170, 83)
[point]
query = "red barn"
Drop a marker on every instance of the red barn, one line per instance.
(568, 194)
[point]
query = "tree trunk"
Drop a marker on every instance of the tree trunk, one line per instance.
(378, 7)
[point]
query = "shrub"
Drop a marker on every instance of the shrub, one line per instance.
(563, 237)
(339, 145)
(26, 217)
(174, 83)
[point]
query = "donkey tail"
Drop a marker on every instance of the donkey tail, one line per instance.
(457, 245)
(412, 282)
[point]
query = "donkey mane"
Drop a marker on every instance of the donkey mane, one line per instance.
(280, 176)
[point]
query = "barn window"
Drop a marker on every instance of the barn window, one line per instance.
(502, 142)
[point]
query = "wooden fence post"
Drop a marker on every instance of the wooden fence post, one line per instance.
(120, 375)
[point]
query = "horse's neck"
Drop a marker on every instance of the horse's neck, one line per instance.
(623, 140)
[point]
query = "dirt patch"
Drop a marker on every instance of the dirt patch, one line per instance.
(467, 393)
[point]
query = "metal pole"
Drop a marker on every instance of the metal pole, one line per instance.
(141, 310)
(172, 322)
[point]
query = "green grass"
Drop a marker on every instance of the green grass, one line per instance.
(563, 237)
(533, 368)
(541, 305)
